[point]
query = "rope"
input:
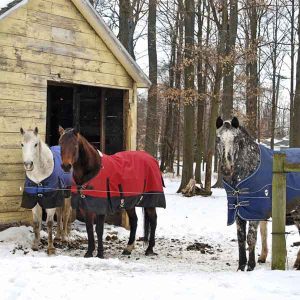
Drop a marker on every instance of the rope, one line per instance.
(117, 191)
(100, 191)
(133, 192)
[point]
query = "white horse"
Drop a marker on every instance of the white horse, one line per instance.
(39, 165)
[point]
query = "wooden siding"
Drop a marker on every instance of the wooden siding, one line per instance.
(45, 40)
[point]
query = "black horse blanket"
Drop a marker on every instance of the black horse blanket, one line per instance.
(48, 193)
(251, 199)
(126, 179)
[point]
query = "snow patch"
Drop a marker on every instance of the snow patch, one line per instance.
(175, 273)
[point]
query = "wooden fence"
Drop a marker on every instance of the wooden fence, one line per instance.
(280, 168)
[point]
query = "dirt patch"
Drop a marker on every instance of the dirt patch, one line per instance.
(202, 247)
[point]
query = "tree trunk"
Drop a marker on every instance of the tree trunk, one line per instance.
(227, 101)
(201, 92)
(251, 71)
(274, 66)
(170, 130)
(126, 26)
(188, 130)
(151, 129)
(212, 126)
(292, 119)
(215, 101)
(297, 96)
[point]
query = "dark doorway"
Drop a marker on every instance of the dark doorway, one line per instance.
(96, 112)
(114, 129)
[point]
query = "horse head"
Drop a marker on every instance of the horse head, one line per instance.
(69, 143)
(238, 152)
(31, 145)
(227, 144)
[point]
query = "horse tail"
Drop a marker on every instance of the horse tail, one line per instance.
(146, 226)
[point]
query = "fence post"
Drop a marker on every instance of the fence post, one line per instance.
(278, 212)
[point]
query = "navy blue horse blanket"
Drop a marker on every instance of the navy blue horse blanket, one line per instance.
(251, 199)
(49, 193)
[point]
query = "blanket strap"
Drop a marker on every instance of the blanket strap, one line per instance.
(80, 189)
(108, 194)
(122, 200)
(238, 192)
(142, 196)
(235, 206)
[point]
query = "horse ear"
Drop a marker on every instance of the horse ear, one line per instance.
(75, 130)
(22, 131)
(235, 122)
(61, 130)
(36, 131)
(219, 122)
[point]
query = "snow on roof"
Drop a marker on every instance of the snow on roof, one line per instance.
(7, 6)
(4, 3)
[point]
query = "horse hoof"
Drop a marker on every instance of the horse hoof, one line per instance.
(261, 261)
(150, 253)
(35, 248)
(88, 254)
(100, 255)
(249, 269)
(241, 268)
(297, 265)
(51, 251)
(126, 252)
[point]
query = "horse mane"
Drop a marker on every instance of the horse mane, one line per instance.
(89, 161)
(86, 148)
(246, 133)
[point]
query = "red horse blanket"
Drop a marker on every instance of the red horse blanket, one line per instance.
(126, 179)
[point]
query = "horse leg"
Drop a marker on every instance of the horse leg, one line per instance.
(99, 230)
(89, 223)
(151, 212)
(72, 218)
(133, 226)
(66, 216)
(49, 222)
(37, 221)
(241, 234)
(297, 261)
(251, 241)
(59, 224)
(263, 226)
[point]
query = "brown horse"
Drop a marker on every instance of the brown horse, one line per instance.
(104, 184)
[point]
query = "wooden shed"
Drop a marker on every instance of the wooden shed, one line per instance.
(60, 64)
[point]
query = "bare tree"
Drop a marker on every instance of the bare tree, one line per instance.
(189, 105)
(151, 129)
(297, 94)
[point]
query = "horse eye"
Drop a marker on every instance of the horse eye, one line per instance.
(22, 145)
(35, 145)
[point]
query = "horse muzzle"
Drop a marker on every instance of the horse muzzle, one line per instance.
(28, 165)
(66, 167)
(227, 171)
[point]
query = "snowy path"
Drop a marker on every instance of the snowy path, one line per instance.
(175, 274)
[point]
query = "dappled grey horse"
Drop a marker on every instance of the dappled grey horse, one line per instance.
(247, 176)
(44, 187)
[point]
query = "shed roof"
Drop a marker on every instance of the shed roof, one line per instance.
(98, 24)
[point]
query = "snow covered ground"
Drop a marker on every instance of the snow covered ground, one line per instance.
(175, 273)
